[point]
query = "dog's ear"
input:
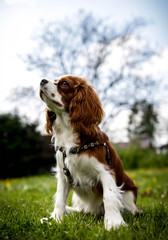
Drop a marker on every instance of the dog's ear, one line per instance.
(85, 110)
(50, 117)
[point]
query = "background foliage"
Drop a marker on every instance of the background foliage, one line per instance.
(134, 157)
(24, 151)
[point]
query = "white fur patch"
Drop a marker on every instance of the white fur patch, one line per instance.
(129, 202)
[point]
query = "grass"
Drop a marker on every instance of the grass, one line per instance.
(24, 201)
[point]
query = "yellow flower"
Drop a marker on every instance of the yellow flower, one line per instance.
(149, 189)
(7, 184)
(154, 180)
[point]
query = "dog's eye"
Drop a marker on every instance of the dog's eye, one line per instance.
(64, 83)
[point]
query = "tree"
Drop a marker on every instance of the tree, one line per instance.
(109, 56)
(21, 147)
(142, 121)
(89, 47)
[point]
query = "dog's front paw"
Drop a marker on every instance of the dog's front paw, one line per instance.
(114, 222)
(57, 215)
(45, 220)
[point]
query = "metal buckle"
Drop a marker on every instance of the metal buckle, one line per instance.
(61, 149)
(74, 150)
(66, 171)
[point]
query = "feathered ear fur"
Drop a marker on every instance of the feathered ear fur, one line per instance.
(50, 117)
(85, 109)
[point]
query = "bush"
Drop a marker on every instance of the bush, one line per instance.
(22, 148)
(134, 157)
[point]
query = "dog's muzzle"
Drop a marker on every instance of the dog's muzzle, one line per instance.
(43, 82)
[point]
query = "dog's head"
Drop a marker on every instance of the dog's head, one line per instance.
(72, 95)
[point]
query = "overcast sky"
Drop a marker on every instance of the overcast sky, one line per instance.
(20, 19)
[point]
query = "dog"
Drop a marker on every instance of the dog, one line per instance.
(86, 160)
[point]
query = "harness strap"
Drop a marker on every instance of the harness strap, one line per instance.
(75, 150)
(65, 169)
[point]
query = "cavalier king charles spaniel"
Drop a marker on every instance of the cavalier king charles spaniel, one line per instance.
(86, 161)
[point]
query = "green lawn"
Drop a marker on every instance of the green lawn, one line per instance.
(24, 201)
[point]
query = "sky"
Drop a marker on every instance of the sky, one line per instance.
(21, 19)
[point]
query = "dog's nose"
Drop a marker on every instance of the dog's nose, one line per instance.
(43, 82)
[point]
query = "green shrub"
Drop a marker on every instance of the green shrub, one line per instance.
(134, 157)
(23, 150)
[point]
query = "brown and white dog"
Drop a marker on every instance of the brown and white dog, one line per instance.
(94, 172)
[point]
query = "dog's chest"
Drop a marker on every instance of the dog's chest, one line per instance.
(82, 169)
